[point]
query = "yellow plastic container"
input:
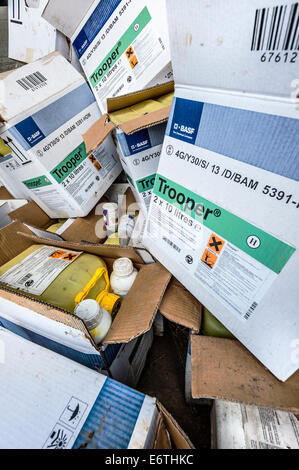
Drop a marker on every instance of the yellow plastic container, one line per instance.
(53, 228)
(85, 278)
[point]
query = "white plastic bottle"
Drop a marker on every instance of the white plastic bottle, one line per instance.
(125, 229)
(96, 319)
(123, 276)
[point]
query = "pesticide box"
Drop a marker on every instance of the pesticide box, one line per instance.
(224, 211)
(47, 108)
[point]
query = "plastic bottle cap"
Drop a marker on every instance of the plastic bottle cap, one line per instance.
(123, 267)
(90, 312)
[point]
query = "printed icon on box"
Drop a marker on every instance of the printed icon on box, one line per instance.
(97, 166)
(73, 412)
(59, 438)
(130, 52)
(70, 256)
(57, 254)
(209, 258)
(253, 242)
(92, 158)
(216, 244)
(133, 62)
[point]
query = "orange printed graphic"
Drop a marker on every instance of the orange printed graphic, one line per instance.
(130, 52)
(209, 258)
(133, 61)
(70, 256)
(57, 254)
(97, 166)
(92, 158)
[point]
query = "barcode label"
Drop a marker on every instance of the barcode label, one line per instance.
(33, 81)
(250, 311)
(276, 29)
(173, 245)
(24, 279)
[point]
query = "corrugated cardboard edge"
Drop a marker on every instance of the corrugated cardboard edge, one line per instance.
(145, 121)
(140, 305)
(179, 306)
(130, 99)
(4, 194)
(31, 214)
(105, 251)
(224, 369)
(97, 133)
(178, 436)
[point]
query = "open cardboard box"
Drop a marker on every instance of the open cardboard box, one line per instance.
(64, 333)
(138, 122)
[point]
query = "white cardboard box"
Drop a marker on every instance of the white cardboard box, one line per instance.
(223, 215)
(44, 120)
(70, 402)
(238, 426)
(122, 46)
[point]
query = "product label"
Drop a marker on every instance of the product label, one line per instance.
(136, 47)
(39, 182)
(235, 260)
(269, 429)
(37, 271)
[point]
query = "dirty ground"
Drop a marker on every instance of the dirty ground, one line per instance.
(164, 378)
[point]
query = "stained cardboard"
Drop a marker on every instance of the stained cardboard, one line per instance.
(223, 369)
(4, 194)
(178, 436)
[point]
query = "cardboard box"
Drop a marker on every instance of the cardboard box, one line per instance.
(44, 120)
(235, 426)
(122, 46)
(138, 121)
(123, 353)
(6, 206)
(223, 212)
(102, 415)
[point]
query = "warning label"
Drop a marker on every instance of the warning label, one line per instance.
(37, 271)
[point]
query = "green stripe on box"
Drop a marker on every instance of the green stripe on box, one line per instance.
(123, 44)
(38, 182)
(145, 184)
(272, 252)
(69, 164)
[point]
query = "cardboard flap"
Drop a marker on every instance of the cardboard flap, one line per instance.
(180, 439)
(140, 305)
(67, 15)
(104, 251)
(124, 101)
(147, 120)
(223, 369)
(31, 214)
(97, 133)
(179, 306)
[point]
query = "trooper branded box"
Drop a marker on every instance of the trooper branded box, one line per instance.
(122, 46)
(224, 210)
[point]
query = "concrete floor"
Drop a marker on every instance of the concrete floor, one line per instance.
(164, 378)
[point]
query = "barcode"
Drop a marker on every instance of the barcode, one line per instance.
(173, 245)
(250, 311)
(33, 81)
(24, 279)
(276, 29)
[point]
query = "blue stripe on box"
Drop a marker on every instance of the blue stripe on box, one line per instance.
(262, 140)
(32, 130)
(112, 420)
(94, 24)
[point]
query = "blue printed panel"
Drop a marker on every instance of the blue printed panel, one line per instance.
(112, 419)
(262, 140)
(186, 120)
(138, 142)
(46, 121)
(94, 24)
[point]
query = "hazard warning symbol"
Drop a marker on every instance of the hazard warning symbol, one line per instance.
(130, 52)
(216, 244)
(209, 258)
(133, 62)
(57, 254)
(71, 256)
(92, 158)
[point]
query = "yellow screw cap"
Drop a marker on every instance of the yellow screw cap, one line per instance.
(110, 302)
